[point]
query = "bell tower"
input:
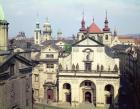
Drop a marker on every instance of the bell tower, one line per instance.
(3, 31)
(47, 32)
(37, 34)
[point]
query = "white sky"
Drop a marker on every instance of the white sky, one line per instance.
(66, 15)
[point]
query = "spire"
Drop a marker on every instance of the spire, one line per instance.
(93, 19)
(106, 28)
(115, 32)
(83, 20)
(37, 21)
(83, 29)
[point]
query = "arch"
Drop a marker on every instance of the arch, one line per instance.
(87, 50)
(67, 92)
(88, 90)
(109, 95)
(88, 97)
(88, 83)
(66, 86)
(50, 94)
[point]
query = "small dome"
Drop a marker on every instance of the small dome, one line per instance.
(93, 28)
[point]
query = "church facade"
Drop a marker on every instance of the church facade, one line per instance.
(84, 69)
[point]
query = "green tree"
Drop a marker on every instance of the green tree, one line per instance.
(67, 48)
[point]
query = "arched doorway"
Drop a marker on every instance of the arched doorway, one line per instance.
(88, 97)
(88, 91)
(67, 92)
(109, 94)
(50, 94)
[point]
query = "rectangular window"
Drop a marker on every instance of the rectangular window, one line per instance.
(49, 56)
(12, 69)
(36, 78)
(50, 65)
(88, 66)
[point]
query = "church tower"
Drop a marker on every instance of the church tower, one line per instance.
(83, 30)
(37, 34)
(47, 31)
(107, 38)
(3, 31)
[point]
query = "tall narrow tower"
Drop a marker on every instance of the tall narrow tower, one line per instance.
(3, 31)
(47, 31)
(37, 34)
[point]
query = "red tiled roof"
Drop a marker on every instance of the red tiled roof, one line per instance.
(93, 28)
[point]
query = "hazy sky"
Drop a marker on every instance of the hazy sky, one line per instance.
(66, 15)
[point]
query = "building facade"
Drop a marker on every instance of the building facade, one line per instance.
(81, 70)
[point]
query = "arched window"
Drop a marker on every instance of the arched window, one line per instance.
(68, 93)
(106, 37)
(66, 86)
(109, 94)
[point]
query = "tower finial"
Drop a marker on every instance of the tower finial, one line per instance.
(83, 14)
(37, 17)
(106, 28)
(106, 14)
(93, 19)
(83, 22)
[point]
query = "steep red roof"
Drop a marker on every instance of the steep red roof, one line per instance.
(93, 28)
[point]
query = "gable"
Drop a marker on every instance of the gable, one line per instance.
(88, 42)
(12, 60)
(60, 43)
(49, 49)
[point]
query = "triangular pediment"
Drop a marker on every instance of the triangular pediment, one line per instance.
(49, 49)
(88, 42)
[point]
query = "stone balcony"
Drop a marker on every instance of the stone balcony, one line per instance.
(92, 73)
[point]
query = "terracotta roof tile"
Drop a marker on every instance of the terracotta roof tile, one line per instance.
(93, 28)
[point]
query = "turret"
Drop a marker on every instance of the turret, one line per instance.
(37, 34)
(106, 27)
(47, 31)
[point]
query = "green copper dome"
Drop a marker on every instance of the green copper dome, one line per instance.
(1, 13)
